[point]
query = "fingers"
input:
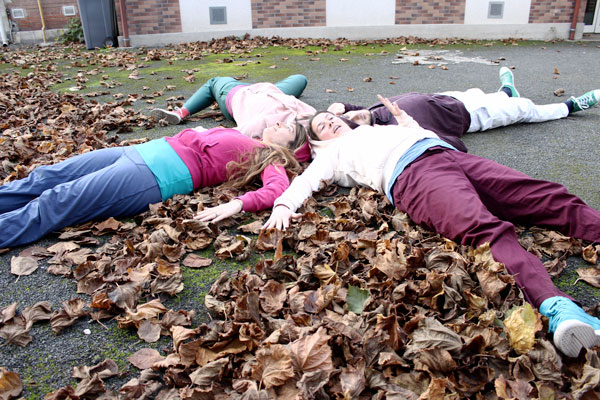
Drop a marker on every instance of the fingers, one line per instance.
(206, 215)
(336, 108)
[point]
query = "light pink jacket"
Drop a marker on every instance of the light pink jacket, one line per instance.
(261, 105)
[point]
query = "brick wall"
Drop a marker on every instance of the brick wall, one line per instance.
(52, 9)
(288, 13)
(150, 16)
(555, 11)
(430, 12)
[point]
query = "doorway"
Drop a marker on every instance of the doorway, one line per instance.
(591, 18)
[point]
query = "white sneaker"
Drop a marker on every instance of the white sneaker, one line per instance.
(572, 335)
(171, 117)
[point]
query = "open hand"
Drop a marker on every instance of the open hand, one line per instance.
(401, 116)
(280, 218)
(220, 212)
(337, 109)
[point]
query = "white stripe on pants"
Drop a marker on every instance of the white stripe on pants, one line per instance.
(492, 110)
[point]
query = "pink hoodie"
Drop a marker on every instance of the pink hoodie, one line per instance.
(261, 105)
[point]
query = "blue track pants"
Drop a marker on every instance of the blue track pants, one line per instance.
(100, 184)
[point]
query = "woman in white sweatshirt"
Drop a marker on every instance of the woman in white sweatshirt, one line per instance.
(466, 198)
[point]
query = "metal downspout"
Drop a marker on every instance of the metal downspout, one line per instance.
(574, 20)
(126, 42)
(2, 27)
(43, 22)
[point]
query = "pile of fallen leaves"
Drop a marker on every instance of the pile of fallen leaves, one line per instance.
(369, 306)
(42, 127)
(78, 56)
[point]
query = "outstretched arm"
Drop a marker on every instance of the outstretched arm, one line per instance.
(222, 211)
(275, 181)
(401, 116)
(302, 187)
(342, 108)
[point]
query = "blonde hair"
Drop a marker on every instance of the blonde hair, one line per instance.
(246, 171)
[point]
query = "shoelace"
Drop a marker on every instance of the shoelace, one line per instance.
(585, 101)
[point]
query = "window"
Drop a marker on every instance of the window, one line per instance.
(69, 11)
(218, 15)
(18, 13)
(496, 9)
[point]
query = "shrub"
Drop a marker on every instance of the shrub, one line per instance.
(73, 33)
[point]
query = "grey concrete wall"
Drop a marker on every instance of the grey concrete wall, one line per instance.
(522, 31)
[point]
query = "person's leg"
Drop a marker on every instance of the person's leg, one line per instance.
(493, 110)
(583, 102)
(220, 87)
(293, 85)
(16, 194)
(514, 196)
(436, 192)
(125, 187)
(507, 82)
(214, 89)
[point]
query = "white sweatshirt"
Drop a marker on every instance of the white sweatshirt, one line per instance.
(366, 156)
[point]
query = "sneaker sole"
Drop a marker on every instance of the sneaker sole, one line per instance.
(572, 335)
(171, 119)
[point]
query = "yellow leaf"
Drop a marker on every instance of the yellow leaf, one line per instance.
(521, 326)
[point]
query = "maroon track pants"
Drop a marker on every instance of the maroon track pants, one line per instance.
(474, 200)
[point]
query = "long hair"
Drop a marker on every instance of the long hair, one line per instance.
(313, 135)
(248, 169)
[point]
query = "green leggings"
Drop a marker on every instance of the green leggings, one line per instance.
(217, 89)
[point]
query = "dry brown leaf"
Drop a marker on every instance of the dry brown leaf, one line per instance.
(590, 254)
(144, 358)
(10, 384)
(149, 331)
(206, 376)
(274, 366)
(23, 265)
(590, 275)
(105, 369)
(312, 352)
(195, 261)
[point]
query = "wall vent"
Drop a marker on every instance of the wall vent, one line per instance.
(69, 11)
(17, 13)
(496, 10)
(218, 15)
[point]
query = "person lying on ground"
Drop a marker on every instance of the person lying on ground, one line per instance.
(253, 107)
(466, 198)
(452, 114)
(123, 181)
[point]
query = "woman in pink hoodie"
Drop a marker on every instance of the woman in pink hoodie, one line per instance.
(254, 107)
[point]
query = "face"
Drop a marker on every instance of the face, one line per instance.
(361, 117)
(327, 126)
(279, 134)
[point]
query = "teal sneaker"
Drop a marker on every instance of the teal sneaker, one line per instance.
(507, 80)
(585, 101)
(573, 328)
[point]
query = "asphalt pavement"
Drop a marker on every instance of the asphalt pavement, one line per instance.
(565, 151)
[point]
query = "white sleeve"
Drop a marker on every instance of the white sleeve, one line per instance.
(303, 186)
